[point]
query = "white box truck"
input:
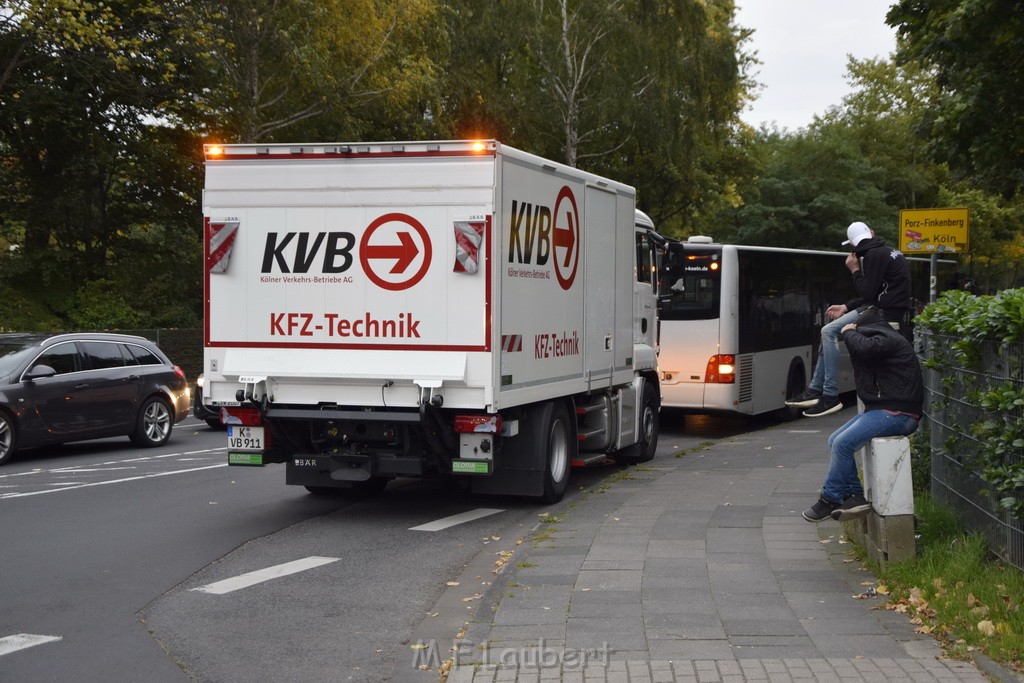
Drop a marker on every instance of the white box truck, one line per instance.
(453, 308)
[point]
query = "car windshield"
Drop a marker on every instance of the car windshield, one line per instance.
(15, 351)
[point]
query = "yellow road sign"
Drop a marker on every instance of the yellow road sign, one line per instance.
(934, 231)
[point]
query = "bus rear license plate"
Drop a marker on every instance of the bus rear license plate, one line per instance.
(245, 438)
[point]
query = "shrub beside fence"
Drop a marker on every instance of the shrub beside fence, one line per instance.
(974, 401)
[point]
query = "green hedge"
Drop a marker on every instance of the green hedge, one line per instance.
(976, 325)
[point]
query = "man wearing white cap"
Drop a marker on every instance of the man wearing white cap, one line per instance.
(882, 278)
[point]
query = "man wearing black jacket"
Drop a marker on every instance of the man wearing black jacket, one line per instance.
(881, 277)
(888, 378)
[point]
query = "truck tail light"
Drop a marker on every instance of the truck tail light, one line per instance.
(721, 370)
(249, 417)
(467, 424)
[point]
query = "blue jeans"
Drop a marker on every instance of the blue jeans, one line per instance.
(826, 372)
(842, 479)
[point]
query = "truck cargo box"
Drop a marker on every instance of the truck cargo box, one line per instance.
(379, 277)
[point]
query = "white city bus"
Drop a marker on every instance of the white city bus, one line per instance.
(741, 325)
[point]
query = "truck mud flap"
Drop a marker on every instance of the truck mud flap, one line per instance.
(521, 466)
(307, 470)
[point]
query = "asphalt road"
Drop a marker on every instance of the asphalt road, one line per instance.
(111, 558)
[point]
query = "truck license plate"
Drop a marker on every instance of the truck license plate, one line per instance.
(245, 438)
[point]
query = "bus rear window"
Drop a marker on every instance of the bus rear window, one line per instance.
(690, 287)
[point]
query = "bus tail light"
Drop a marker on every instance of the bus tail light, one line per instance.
(721, 370)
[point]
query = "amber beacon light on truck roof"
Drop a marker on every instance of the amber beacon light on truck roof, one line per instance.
(215, 151)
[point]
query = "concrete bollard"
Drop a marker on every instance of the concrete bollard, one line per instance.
(888, 532)
(887, 483)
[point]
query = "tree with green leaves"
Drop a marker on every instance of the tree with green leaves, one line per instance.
(83, 117)
(976, 51)
(326, 69)
(644, 91)
(812, 184)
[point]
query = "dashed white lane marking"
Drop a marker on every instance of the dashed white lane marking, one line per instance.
(73, 468)
(804, 431)
(23, 640)
(111, 481)
(461, 518)
(261, 575)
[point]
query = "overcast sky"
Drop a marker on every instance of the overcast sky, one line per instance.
(802, 46)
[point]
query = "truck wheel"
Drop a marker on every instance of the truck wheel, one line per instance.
(649, 429)
(557, 437)
(153, 424)
(8, 437)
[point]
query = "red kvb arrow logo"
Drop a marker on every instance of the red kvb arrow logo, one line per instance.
(403, 253)
(566, 238)
(397, 240)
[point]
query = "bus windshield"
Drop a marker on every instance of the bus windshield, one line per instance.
(690, 287)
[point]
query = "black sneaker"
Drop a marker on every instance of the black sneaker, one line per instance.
(820, 511)
(852, 507)
(805, 400)
(827, 404)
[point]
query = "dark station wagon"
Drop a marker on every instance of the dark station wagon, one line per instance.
(72, 387)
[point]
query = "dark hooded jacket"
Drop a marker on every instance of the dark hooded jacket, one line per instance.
(883, 279)
(885, 367)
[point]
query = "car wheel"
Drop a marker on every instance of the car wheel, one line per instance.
(153, 425)
(8, 437)
(215, 423)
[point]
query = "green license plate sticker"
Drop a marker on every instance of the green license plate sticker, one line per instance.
(471, 466)
(245, 459)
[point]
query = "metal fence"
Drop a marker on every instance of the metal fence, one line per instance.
(952, 394)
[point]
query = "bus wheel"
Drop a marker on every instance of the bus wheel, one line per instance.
(796, 382)
(557, 440)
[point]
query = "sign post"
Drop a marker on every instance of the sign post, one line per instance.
(934, 232)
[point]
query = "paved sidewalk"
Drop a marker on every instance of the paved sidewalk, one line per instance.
(697, 568)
